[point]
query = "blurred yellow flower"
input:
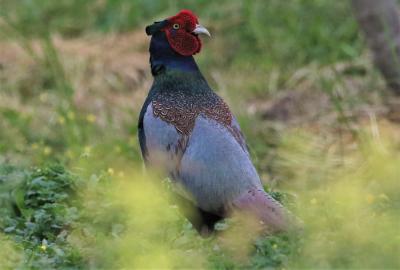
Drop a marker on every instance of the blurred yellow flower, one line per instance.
(383, 196)
(61, 120)
(370, 198)
(43, 247)
(34, 146)
(91, 118)
(71, 115)
(110, 171)
(87, 149)
(43, 97)
(47, 150)
(313, 201)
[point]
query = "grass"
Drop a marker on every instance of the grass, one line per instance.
(249, 33)
(73, 75)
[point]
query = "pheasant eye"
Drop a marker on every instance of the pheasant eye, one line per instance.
(175, 26)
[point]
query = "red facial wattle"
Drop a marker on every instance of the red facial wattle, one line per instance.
(179, 33)
(183, 43)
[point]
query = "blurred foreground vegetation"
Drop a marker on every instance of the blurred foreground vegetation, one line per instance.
(73, 75)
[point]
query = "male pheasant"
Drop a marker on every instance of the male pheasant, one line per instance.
(188, 132)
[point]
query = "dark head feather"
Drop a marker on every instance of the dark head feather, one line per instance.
(155, 27)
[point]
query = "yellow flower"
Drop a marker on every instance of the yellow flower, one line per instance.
(110, 171)
(71, 115)
(61, 120)
(383, 197)
(370, 198)
(43, 97)
(91, 118)
(43, 247)
(34, 146)
(313, 201)
(87, 149)
(47, 150)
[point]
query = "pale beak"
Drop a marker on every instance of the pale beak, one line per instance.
(201, 30)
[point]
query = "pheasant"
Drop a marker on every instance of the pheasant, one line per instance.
(187, 131)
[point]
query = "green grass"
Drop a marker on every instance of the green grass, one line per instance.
(247, 33)
(38, 212)
(60, 220)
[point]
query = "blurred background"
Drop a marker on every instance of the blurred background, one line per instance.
(321, 123)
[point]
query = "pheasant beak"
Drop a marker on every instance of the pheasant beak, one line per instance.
(201, 30)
